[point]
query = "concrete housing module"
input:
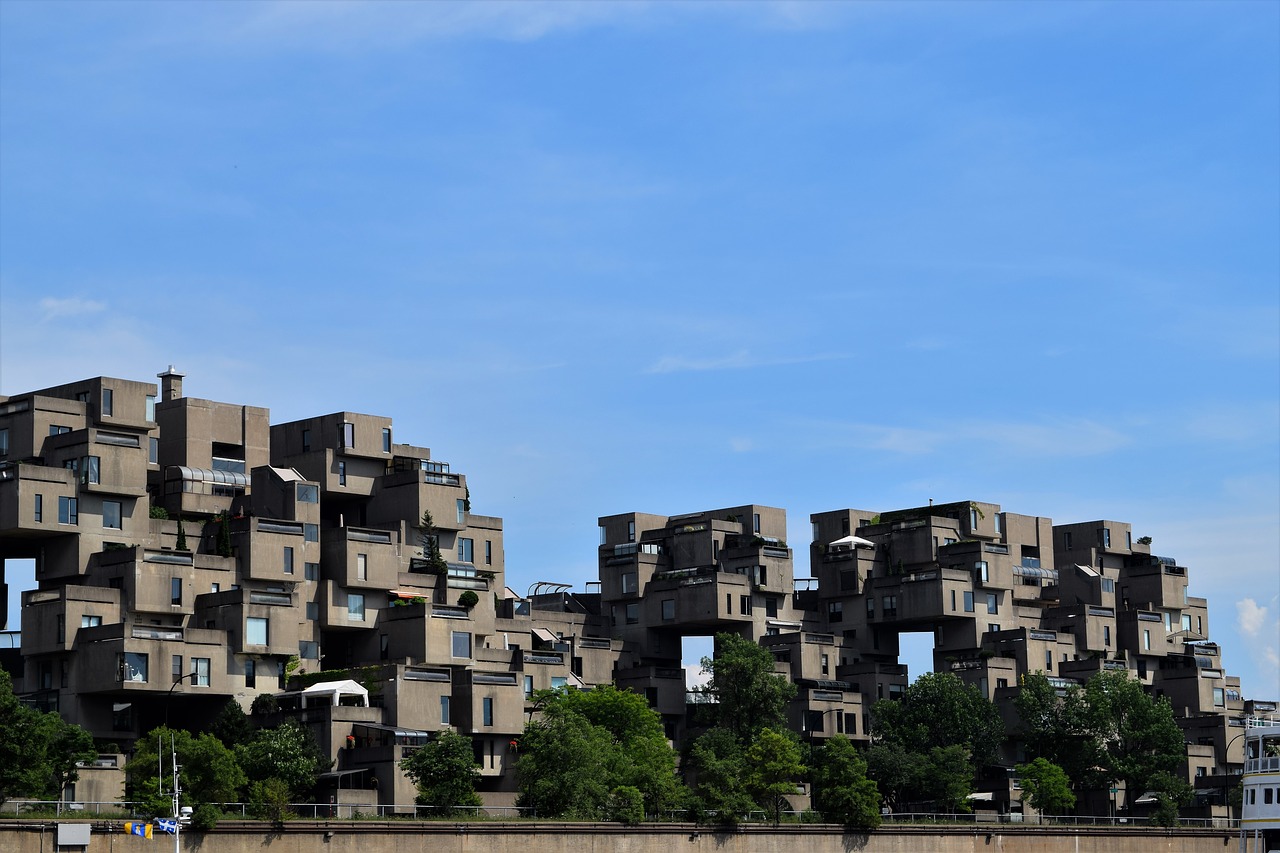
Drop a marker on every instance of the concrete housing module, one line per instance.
(291, 563)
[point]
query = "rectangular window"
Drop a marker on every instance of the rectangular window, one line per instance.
(992, 627)
(200, 666)
(771, 607)
(282, 675)
(1219, 697)
(1106, 537)
(306, 439)
(487, 710)
(250, 673)
(744, 605)
(175, 669)
(826, 665)
(1128, 539)
(1108, 585)
(996, 520)
(633, 614)
(68, 512)
(981, 571)
(755, 522)
(88, 621)
(444, 710)
(668, 609)
(347, 435)
(1048, 660)
(835, 611)
(462, 511)
(1186, 621)
(528, 686)
(1146, 640)
(342, 473)
(39, 509)
(288, 560)
(215, 587)
(92, 470)
(313, 611)
(355, 606)
(953, 599)
(175, 590)
(871, 607)
(108, 402)
(386, 440)
(362, 567)
(466, 549)
(311, 571)
(630, 583)
(968, 601)
(4, 441)
(973, 519)
(310, 532)
(488, 552)
(631, 531)
(151, 408)
(1066, 540)
(1106, 635)
(256, 631)
(308, 494)
(461, 644)
(992, 603)
(889, 606)
(153, 450)
(132, 666)
(559, 681)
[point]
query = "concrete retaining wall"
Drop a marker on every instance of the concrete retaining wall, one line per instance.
(411, 837)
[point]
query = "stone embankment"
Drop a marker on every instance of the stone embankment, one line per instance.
(503, 837)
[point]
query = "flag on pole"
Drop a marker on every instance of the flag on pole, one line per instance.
(137, 827)
(167, 824)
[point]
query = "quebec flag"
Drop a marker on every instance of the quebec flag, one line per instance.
(166, 824)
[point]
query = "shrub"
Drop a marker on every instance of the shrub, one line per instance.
(205, 817)
(468, 599)
(626, 805)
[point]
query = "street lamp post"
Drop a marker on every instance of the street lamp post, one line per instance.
(168, 696)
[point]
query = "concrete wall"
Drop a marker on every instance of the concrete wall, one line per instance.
(413, 837)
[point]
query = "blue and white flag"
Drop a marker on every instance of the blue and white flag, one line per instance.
(166, 824)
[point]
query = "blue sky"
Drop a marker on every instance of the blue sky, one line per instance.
(668, 257)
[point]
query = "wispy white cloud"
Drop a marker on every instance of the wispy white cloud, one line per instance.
(72, 306)
(1069, 438)
(1251, 616)
(733, 361)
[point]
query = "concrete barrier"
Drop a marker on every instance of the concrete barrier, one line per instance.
(511, 837)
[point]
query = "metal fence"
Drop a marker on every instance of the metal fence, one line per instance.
(412, 811)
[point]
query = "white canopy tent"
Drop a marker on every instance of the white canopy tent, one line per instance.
(332, 692)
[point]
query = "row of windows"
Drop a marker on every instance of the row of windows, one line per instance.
(69, 512)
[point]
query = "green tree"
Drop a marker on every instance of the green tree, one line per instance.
(269, 800)
(446, 773)
(289, 753)
(1137, 735)
(895, 771)
(749, 694)
(718, 761)
(1054, 725)
(232, 725)
(1046, 787)
(38, 751)
(210, 772)
(429, 540)
(563, 769)
(931, 742)
(947, 778)
(842, 793)
(588, 743)
(1171, 792)
(939, 709)
(773, 766)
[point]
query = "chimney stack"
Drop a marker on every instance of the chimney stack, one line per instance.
(170, 384)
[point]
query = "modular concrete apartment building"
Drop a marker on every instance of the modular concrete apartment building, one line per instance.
(189, 552)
